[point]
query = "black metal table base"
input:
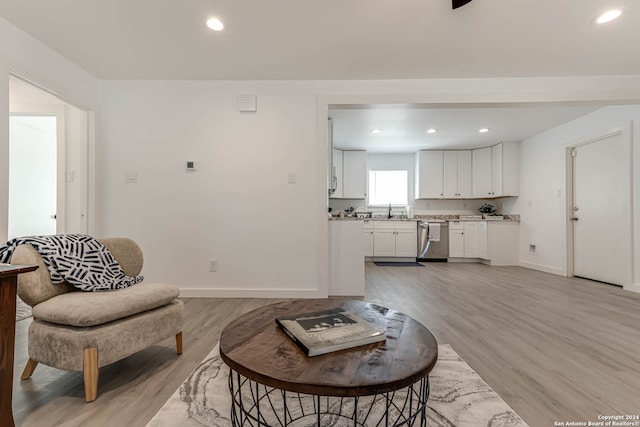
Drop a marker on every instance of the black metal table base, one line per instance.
(254, 404)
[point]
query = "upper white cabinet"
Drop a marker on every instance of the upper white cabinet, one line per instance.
(495, 171)
(354, 175)
(429, 175)
(349, 174)
(457, 174)
(482, 173)
(336, 174)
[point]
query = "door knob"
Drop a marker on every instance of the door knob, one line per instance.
(574, 218)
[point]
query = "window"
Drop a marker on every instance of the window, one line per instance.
(388, 187)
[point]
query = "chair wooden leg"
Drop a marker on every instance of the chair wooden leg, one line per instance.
(90, 374)
(28, 370)
(179, 342)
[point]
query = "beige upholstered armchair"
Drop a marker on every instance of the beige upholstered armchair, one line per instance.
(82, 331)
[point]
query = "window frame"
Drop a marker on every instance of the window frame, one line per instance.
(370, 191)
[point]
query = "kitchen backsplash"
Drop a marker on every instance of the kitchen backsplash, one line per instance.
(429, 207)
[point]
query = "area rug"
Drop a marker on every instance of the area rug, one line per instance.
(458, 397)
(397, 264)
(23, 311)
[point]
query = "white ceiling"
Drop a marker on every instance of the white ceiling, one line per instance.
(333, 39)
(349, 39)
(404, 127)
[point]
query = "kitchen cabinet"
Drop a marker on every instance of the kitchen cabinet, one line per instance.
(337, 174)
(395, 239)
(475, 239)
(457, 174)
(496, 170)
(349, 174)
(482, 173)
(429, 174)
(456, 240)
(368, 238)
(468, 239)
(354, 175)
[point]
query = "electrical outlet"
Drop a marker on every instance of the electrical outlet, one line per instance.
(532, 249)
(213, 265)
(130, 177)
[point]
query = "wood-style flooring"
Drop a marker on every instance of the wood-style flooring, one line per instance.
(555, 349)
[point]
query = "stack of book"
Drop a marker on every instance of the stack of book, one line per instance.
(330, 330)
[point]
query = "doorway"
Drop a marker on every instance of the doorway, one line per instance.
(599, 210)
(50, 181)
(33, 160)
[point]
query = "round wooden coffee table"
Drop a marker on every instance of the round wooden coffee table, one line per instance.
(272, 382)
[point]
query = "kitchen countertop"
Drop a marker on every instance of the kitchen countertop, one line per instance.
(507, 218)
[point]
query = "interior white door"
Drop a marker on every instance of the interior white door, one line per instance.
(601, 210)
(36, 174)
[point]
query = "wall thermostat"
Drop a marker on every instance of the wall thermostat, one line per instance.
(191, 165)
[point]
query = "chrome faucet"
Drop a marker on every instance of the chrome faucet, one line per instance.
(389, 211)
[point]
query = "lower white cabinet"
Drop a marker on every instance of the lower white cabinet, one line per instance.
(475, 239)
(368, 238)
(468, 239)
(395, 239)
(456, 240)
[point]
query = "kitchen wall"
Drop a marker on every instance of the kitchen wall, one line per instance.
(542, 201)
(420, 207)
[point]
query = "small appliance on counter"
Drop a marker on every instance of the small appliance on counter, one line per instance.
(363, 214)
(433, 241)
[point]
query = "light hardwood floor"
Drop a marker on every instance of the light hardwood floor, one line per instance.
(555, 349)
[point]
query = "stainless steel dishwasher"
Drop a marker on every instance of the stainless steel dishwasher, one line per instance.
(432, 250)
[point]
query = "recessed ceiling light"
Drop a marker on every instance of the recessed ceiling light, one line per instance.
(432, 130)
(376, 131)
(608, 16)
(215, 24)
(483, 130)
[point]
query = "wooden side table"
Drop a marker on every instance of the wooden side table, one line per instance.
(272, 382)
(8, 288)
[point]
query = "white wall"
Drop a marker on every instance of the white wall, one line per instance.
(237, 207)
(269, 237)
(28, 57)
(542, 201)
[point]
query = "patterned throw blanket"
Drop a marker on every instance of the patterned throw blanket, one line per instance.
(79, 260)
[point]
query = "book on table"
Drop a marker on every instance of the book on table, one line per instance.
(330, 330)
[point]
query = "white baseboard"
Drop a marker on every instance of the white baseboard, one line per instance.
(251, 293)
(541, 267)
(633, 288)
